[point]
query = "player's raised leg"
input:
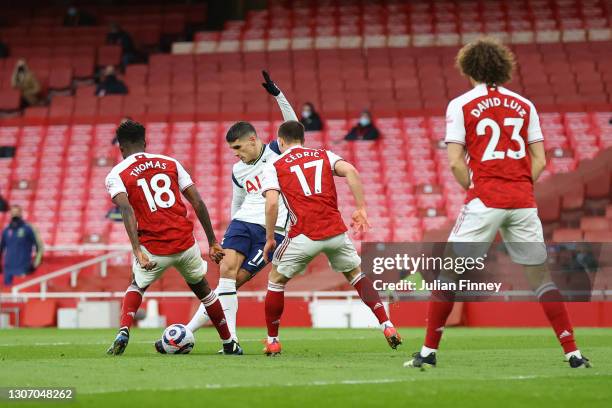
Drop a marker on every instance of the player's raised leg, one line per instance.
(365, 288)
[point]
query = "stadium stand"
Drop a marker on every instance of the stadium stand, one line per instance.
(395, 58)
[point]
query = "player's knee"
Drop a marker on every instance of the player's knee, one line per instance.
(229, 270)
(276, 277)
(350, 275)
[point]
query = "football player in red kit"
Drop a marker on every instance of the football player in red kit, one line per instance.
(305, 179)
(496, 152)
(147, 189)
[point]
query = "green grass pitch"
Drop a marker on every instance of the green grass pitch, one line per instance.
(318, 368)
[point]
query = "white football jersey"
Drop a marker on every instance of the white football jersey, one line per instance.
(248, 203)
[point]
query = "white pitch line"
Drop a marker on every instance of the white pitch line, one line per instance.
(62, 343)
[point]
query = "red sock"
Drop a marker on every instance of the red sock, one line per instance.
(557, 315)
(363, 285)
(216, 314)
(131, 303)
(439, 307)
(275, 303)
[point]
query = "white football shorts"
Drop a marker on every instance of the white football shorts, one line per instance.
(294, 254)
(478, 223)
(189, 263)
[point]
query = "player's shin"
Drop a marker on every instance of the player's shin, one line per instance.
(364, 287)
(552, 303)
(130, 305)
(439, 308)
(275, 303)
(226, 291)
(213, 308)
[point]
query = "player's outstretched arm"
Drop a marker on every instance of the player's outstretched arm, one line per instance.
(283, 103)
(129, 220)
(456, 160)
(538, 159)
(271, 218)
(360, 221)
(193, 196)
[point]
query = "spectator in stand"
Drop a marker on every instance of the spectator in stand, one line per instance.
(117, 36)
(3, 204)
(25, 80)
(364, 130)
(75, 18)
(310, 118)
(19, 240)
(110, 84)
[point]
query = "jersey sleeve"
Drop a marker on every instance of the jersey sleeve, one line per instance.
(270, 179)
(534, 131)
(184, 179)
(114, 184)
(333, 159)
(285, 107)
(455, 125)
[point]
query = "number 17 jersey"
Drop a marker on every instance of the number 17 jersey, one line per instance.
(153, 184)
(305, 179)
(496, 126)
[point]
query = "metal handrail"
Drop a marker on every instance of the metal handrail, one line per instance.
(73, 270)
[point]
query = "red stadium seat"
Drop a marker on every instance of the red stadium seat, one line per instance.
(10, 100)
(567, 235)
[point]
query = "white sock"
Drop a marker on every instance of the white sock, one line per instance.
(199, 319)
(271, 339)
(226, 290)
(386, 324)
(425, 351)
(573, 353)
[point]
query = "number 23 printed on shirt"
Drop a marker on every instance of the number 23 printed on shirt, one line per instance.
(156, 199)
(490, 153)
(297, 169)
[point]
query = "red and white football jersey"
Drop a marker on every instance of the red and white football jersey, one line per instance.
(496, 125)
(305, 178)
(153, 184)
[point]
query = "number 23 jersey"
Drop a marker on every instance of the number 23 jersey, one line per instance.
(496, 126)
(153, 184)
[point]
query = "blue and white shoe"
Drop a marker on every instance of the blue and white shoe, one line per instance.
(120, 343)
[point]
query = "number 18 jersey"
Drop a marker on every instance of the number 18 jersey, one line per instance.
(496, 126)
(153, 184)
(305, 179)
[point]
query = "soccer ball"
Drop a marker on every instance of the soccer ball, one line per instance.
(177, 339)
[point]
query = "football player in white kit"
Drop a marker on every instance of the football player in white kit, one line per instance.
(245, 237)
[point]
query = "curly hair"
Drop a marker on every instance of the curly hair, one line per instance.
(486, 61)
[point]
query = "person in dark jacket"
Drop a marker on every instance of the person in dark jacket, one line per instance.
(310, 118)
(75, 17)
(118, 36)
(110, 84)
(365, 129)
(18, 241)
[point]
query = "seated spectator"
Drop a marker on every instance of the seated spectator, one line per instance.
(117, 36)
(365, 129)
(25, 80)
(310, 118)
(75, 18)
(110, 84)
(3, 204)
